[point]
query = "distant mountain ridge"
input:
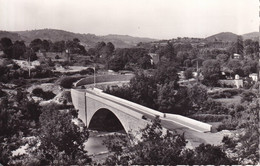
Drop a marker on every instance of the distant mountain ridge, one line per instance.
(120, 41)
(13, 36)
(223, 36)
(231, 37)
(88, 40)
(252, 35)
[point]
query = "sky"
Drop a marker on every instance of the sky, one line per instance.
(160, 19)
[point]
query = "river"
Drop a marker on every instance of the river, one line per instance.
(95, 147)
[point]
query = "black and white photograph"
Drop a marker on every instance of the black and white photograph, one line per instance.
(129, 82)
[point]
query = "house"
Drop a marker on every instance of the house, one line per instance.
(254, 77)
(236, 56)
(155, 58)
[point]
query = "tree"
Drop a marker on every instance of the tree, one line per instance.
(30, 54)
(210, 154)
(36, 45)
(46, 45)
(58, 46)
(61, 141)
(19, 49)
(116, 64)
(6, 42)
(237, 47)
(240, 45)
(182, 56)
(162, 148)
(167, 51)
(166, 73)
(188, 73)
(109, 49)
(197, 94)
(170, 100)
(7, 46)
(145, 62)
(17, 119)
(245, 143)
(211, 72)
(99, 48)
(76, 40)
(187, 63)
(235, 65)
(144, 90)
(154, 148)
(223, 58)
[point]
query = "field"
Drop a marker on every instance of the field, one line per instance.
(227, 101)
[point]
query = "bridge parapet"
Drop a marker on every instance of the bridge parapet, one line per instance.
(130, 114)
(181, 120)
(188, 122)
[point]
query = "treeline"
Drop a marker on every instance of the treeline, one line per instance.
(18, 49)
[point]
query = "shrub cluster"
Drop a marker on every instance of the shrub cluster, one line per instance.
(248, 96)
(225, 93)
(45, 95)
(210, 117)
(88, 71)
(67, 82)
(228, 124)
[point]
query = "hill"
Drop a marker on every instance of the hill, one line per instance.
(252, 36)
(11, 35)
(89, 40)
(223, 36)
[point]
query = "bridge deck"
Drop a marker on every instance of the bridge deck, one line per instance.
(191, 132)
(149, 113)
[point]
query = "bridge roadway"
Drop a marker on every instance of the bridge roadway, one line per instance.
(194, 134)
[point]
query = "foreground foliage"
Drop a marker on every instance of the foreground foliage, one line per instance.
(245, 145)
(48, 135)
(158, 146)
(59, 141)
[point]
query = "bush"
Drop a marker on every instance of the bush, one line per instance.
(213, 107)
(19, 82)
(2, 93)
(216, 95)
(41, 73)
(37, 91)
(225, 93)
(228, 124)
(233, 92)
(57, 57)
(247, 96)
(67, 82)
(45, 95)
(210, 117)
(88, 71)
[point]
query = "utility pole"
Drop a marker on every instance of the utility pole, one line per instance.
(29, 67)
(197, 71)
(29, 62)
(94, 76)
(68, 54)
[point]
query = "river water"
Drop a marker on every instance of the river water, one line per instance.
(95, 147)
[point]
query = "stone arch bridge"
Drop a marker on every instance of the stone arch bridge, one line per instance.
(132, 116)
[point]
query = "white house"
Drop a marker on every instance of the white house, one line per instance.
(254, 76)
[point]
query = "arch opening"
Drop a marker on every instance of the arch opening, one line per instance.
(106, 120)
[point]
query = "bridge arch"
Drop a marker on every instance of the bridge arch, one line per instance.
(107, 120)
